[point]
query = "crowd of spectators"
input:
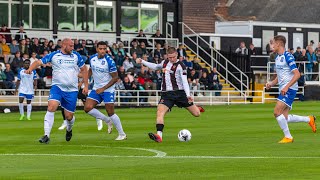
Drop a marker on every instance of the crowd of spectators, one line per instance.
(133, 76)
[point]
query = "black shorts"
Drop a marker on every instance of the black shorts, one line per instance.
(81, 96)
(171, 98)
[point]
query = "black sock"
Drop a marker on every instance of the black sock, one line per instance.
(159, 127)
(62, 112)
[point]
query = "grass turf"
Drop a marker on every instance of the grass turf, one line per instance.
(248, 131)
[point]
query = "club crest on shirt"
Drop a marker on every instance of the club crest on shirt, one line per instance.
(103, 62)
(282, 58)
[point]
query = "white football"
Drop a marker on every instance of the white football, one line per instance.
(184, 135)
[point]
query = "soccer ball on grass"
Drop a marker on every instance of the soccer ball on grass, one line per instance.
(184, 135)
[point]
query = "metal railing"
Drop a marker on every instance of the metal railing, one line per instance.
(152, 97)
(169, 30)
(216, 59)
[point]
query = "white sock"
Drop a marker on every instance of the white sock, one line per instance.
(48, 123)
(284, 126)
(99, 115)
(65, 122)
(29, 108)
(159, 133)
(116, 121)
(70, 123)
(21, 109)
(295, 118)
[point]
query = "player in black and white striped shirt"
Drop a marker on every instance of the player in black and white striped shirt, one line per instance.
(175, 89)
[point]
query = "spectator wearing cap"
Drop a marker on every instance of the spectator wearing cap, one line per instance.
(5, 32)
(297, 54)
(20, 34)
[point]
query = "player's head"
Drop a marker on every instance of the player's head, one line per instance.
(279, 42)
(26, 64)
(67, 46)
(101, 48)
(172, 54)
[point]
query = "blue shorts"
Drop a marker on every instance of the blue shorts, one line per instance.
(107, 97)
(27, 96)
(68, 100)
(288, 98)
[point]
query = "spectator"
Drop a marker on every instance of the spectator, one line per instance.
(158, 51)
(181, 51)
(137, 86)
(5, 32)
(128, 64)
(14, 47)
(214, 83)
(252, 50)
(242, 49)
(114, 50)
(20, 34)
(158, 41)
(193, 80)
(33, 58)
(9, 82)
(142, 38)
(135, 49)
(45, 46)
(5, 50)
(17, 62)
(25, 56)
(120, 60)
(204, 81)
(36, 47)
(291, 50)
(58, 46)
(121, 73)
(120, 86)
(137, 67)
(297, 54)
(121, 49)
(51, 46)
(269, 47)
(165, 48)
(143, 48)
(157, 79)
(301, 83)
(302, 58)
(23, 47)
(312, 61)
(128, 86)
(83, 51)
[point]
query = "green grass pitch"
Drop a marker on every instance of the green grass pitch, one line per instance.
(228, 142)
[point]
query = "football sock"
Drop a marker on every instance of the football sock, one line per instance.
(295, 118)
(21, 109)
(159, 129)
(48, 122)
(117, 123)
(284, 126)
(99, 115)
(70, 123)
(29, 108)
(65, 122)
(62, 112)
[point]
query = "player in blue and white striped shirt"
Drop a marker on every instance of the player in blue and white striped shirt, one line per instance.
(287, 77)
(66, 65)
(26, 84)
(104, 72)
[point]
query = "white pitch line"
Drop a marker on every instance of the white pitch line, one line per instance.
(164, 157)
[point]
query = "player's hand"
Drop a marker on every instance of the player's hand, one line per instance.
(16, 92)
(100, 90)
(27, 71)
(268, 85)
(190, 99)
(138, 60)
(284, 90)
(85, 90)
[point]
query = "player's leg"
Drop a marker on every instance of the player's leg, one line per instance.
(194, 110)
(311, 120)
(115, 119)
(83, 98)
(21, 108)
(64, 123)
(29, 106)
(69, 103)
(281, 113)
(90, 104)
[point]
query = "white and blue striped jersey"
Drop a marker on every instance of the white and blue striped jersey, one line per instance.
(65, 69)
(26, 81)
(285, 64)
(101, 69)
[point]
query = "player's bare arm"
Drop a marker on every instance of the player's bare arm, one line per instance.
(149, 64)
(35, 84)
(272, 83)
(17, 86)
(114, 79)
(84, 71)
(296, 76)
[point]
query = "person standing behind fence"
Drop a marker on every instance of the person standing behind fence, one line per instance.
(242, 49)
(312, 60)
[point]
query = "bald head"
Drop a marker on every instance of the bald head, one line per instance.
(67, 46)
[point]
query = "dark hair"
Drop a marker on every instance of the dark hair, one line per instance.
(171, 50)
(281, 39)
(101, 43)
(26, 60)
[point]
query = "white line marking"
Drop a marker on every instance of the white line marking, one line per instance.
(164, 157)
